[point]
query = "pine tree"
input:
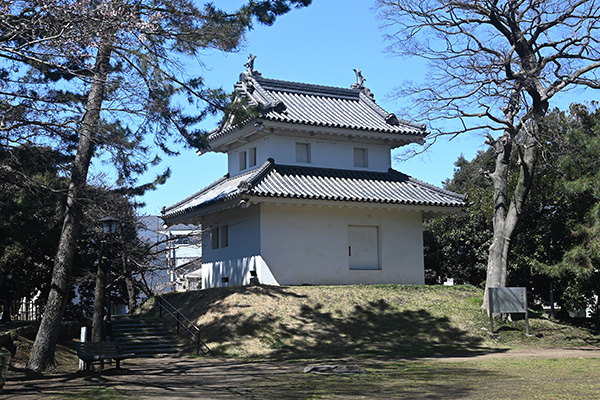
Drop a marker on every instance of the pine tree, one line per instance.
(85, 76)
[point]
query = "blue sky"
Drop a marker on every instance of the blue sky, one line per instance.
(320, 44)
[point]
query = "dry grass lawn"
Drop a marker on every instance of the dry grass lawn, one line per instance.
(382, 320)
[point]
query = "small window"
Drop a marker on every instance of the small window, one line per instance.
(224, 233)
(242, 160)
(360, 157)
(219, 236)
(183, 240)
(214, 238)
(252, 157)
(303, 153)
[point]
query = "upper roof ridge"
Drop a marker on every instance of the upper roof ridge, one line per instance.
(251, 74)
(317, 105)
(306, 88)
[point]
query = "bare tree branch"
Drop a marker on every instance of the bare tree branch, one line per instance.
(495, 65)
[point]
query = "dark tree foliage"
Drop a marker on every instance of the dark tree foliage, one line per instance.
(549, 218)
(456, 246)
(577, 267)
(495, 67)
(32, 196)
(558, 239)
(119, 250)
(109, 78)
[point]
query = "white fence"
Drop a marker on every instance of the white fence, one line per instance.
(25, 310)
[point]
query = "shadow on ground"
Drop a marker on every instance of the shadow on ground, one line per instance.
(197, 303)
(371, 329)
(160, 378)
(234, 379)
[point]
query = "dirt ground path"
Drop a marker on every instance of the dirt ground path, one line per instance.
(574, 352)
(214, 379)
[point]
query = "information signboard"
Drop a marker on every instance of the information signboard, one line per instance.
(507, 300)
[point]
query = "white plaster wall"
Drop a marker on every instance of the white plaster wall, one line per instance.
(238, 271)
(324, 153)
(181, 261)
(242, 254)
(188, 251)
(309, 245)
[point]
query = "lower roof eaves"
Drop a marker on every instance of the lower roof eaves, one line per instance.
(271, 182)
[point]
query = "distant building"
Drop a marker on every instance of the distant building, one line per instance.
(184, 256)
(310, 196)
(178, 253)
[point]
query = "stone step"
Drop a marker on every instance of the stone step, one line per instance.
(144, 338)
(148, 331)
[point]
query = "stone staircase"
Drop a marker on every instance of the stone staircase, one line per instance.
(143, 338)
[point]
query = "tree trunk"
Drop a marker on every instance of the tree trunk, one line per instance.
(496, 261)
(506, 215)
(131, 297)
(129, 285)
(99, 303)
(42, 352)
(143, 286)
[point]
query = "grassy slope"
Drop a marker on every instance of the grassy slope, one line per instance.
(338, 321)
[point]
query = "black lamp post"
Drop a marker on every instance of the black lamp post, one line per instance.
(109, 226)
(551, 212)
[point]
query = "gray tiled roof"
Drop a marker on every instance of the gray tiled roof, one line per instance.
(284, 181)
(316, 105)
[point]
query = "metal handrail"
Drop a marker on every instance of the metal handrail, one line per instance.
(184, 322)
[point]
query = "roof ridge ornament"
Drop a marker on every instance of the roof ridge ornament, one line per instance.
(360, 80)
(360, 84)
(392, 119)
(250, 66)
(245, 186)
(278, 106)
(250, 63)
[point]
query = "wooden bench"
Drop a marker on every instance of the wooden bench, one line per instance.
(100, 351)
